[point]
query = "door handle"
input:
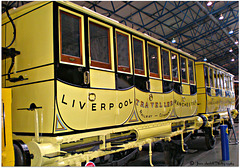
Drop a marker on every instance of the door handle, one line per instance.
(86, 77)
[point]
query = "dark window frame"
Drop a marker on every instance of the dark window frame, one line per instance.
(121, 67)
(177, 56)
(69, 58)
(186, 69)
(193, 71)
(152, 74)
(166, 77)
(100, 64)
(139, 71)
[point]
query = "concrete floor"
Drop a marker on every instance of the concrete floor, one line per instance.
(198, 154)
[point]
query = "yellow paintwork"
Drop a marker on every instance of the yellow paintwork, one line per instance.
(34, 39)
(213, 103)
(156, 85)
(98, 79)
(82, 35)
(42, 94)
(7, 142)
(35, 75)
(74, 108)
(185, 89)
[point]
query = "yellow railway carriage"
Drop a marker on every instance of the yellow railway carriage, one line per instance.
(215, 93)
(84, 86)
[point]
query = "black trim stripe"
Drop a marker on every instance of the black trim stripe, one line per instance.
(31, 83)
(40, 66)
(28, 12)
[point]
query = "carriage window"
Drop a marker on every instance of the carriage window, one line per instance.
(211, 77)
(100, 46)
(219, 80)
(153, 60)
(174, 58)
(191, 71)
(223, 81)
(165, 64)
(215, 78)
(138, 56)
(227, 81)
(123, 52)
(71, 47)
(183, 69)
(206, 72)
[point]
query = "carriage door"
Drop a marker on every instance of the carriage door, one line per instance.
(140, 78)
(102, 94)
(188, 101)
(124, 78)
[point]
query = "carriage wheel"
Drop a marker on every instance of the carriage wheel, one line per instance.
(209, 139)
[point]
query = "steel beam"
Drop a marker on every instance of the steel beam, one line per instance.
(215, 20)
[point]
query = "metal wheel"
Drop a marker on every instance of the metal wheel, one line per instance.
(21, 153)
(209, 139)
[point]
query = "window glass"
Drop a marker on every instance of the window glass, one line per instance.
(219, 80)
(174, 58)
(227, 81)
(153, 60)
(138, 56)
(70, 38)
(100, 46)
(223, 81)
(215, 78)
(123, 54)
(211, 77)
(191, 71)
(165, 64)
(183, 69)
(230, 81)
(206, 72)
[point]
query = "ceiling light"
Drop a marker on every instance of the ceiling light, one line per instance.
(173, 40)
(236, 42)
(230, 32)
(205, 59)
(209, 3)
(232, 59)
(221, 17)
(230, 50)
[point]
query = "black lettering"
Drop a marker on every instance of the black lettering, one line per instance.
(73, 103)
(126, 103)
(81, 106)
(156, 104)
(111, 105)
(130, 102)
(94, 107)
(103, 106)
(120, 105)
(63, 100)
(137, 101)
